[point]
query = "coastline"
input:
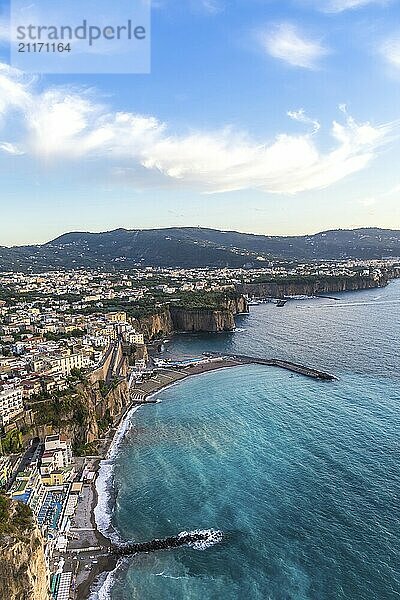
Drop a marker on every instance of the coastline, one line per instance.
(91, 574)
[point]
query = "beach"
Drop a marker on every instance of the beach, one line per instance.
(89, 556)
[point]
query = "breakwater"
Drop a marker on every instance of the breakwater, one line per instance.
(199, 539)
(274, 362)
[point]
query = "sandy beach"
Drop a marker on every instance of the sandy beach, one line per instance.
(89, 565)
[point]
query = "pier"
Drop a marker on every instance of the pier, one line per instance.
(275, 362)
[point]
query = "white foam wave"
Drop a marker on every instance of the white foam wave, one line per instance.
(213, 536)
(103, 511)
(124, 427)
(102, 591)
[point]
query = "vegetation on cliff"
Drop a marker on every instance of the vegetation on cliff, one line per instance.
(11, 442)
(23, 572)
(193, 311)
(15, 518)
(204, 300)
(311, 279)
(66, 410)
(279, 287)
(59, 408)
(83, 412)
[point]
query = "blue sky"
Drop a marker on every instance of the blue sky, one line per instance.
(267, 116)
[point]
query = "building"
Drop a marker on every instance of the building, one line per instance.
(140, 364)
(60, 445)
(134, 338)
(11, 403)
(65, 364)
(55, 466)
(116, 317)
(28, 488)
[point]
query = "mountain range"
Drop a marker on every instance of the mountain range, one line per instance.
(187, 247)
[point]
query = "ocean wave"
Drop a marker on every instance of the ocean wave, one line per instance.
(102, 590)
(104, 509)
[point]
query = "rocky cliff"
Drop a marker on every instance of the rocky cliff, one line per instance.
(113, 403)
(310, 288)
(156, 325)
(23, 572)
(237, 305)
(201, 319)
(80, 416)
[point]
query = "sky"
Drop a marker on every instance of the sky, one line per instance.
(264, 116)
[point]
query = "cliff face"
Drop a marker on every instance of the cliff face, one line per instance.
(192, 319)
(114, 403)
(155, 325)
(80, 421)
(23, 573)
(202, 320)
(280, 290)
(237, 305)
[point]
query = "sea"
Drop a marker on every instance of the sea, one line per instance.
(301, 476)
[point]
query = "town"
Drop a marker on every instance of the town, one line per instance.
(58, 330)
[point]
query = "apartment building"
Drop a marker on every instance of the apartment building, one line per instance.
(60, 444)
(55, 467)
(11, 403)
(116, 317)
(65, 364)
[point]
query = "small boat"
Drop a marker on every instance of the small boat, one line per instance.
(281, 303)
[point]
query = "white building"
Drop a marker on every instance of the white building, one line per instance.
(134, 338)
(11, 403)
(61, 446)
(65, 364)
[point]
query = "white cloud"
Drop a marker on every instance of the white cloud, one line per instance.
(66, 124)
(390, 50)
(341, 5)
(14, 89)
(9, 148)
(286, 42)
(301, 117)
(211, 6)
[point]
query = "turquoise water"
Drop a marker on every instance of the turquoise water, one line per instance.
(302, 476)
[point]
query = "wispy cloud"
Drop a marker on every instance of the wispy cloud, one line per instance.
(9, 148)
(342, 5)
(66, 124)
(301, 117)
(211, 6)
(208, 7)
(373, 200)
(288, 43)
(390, 50)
